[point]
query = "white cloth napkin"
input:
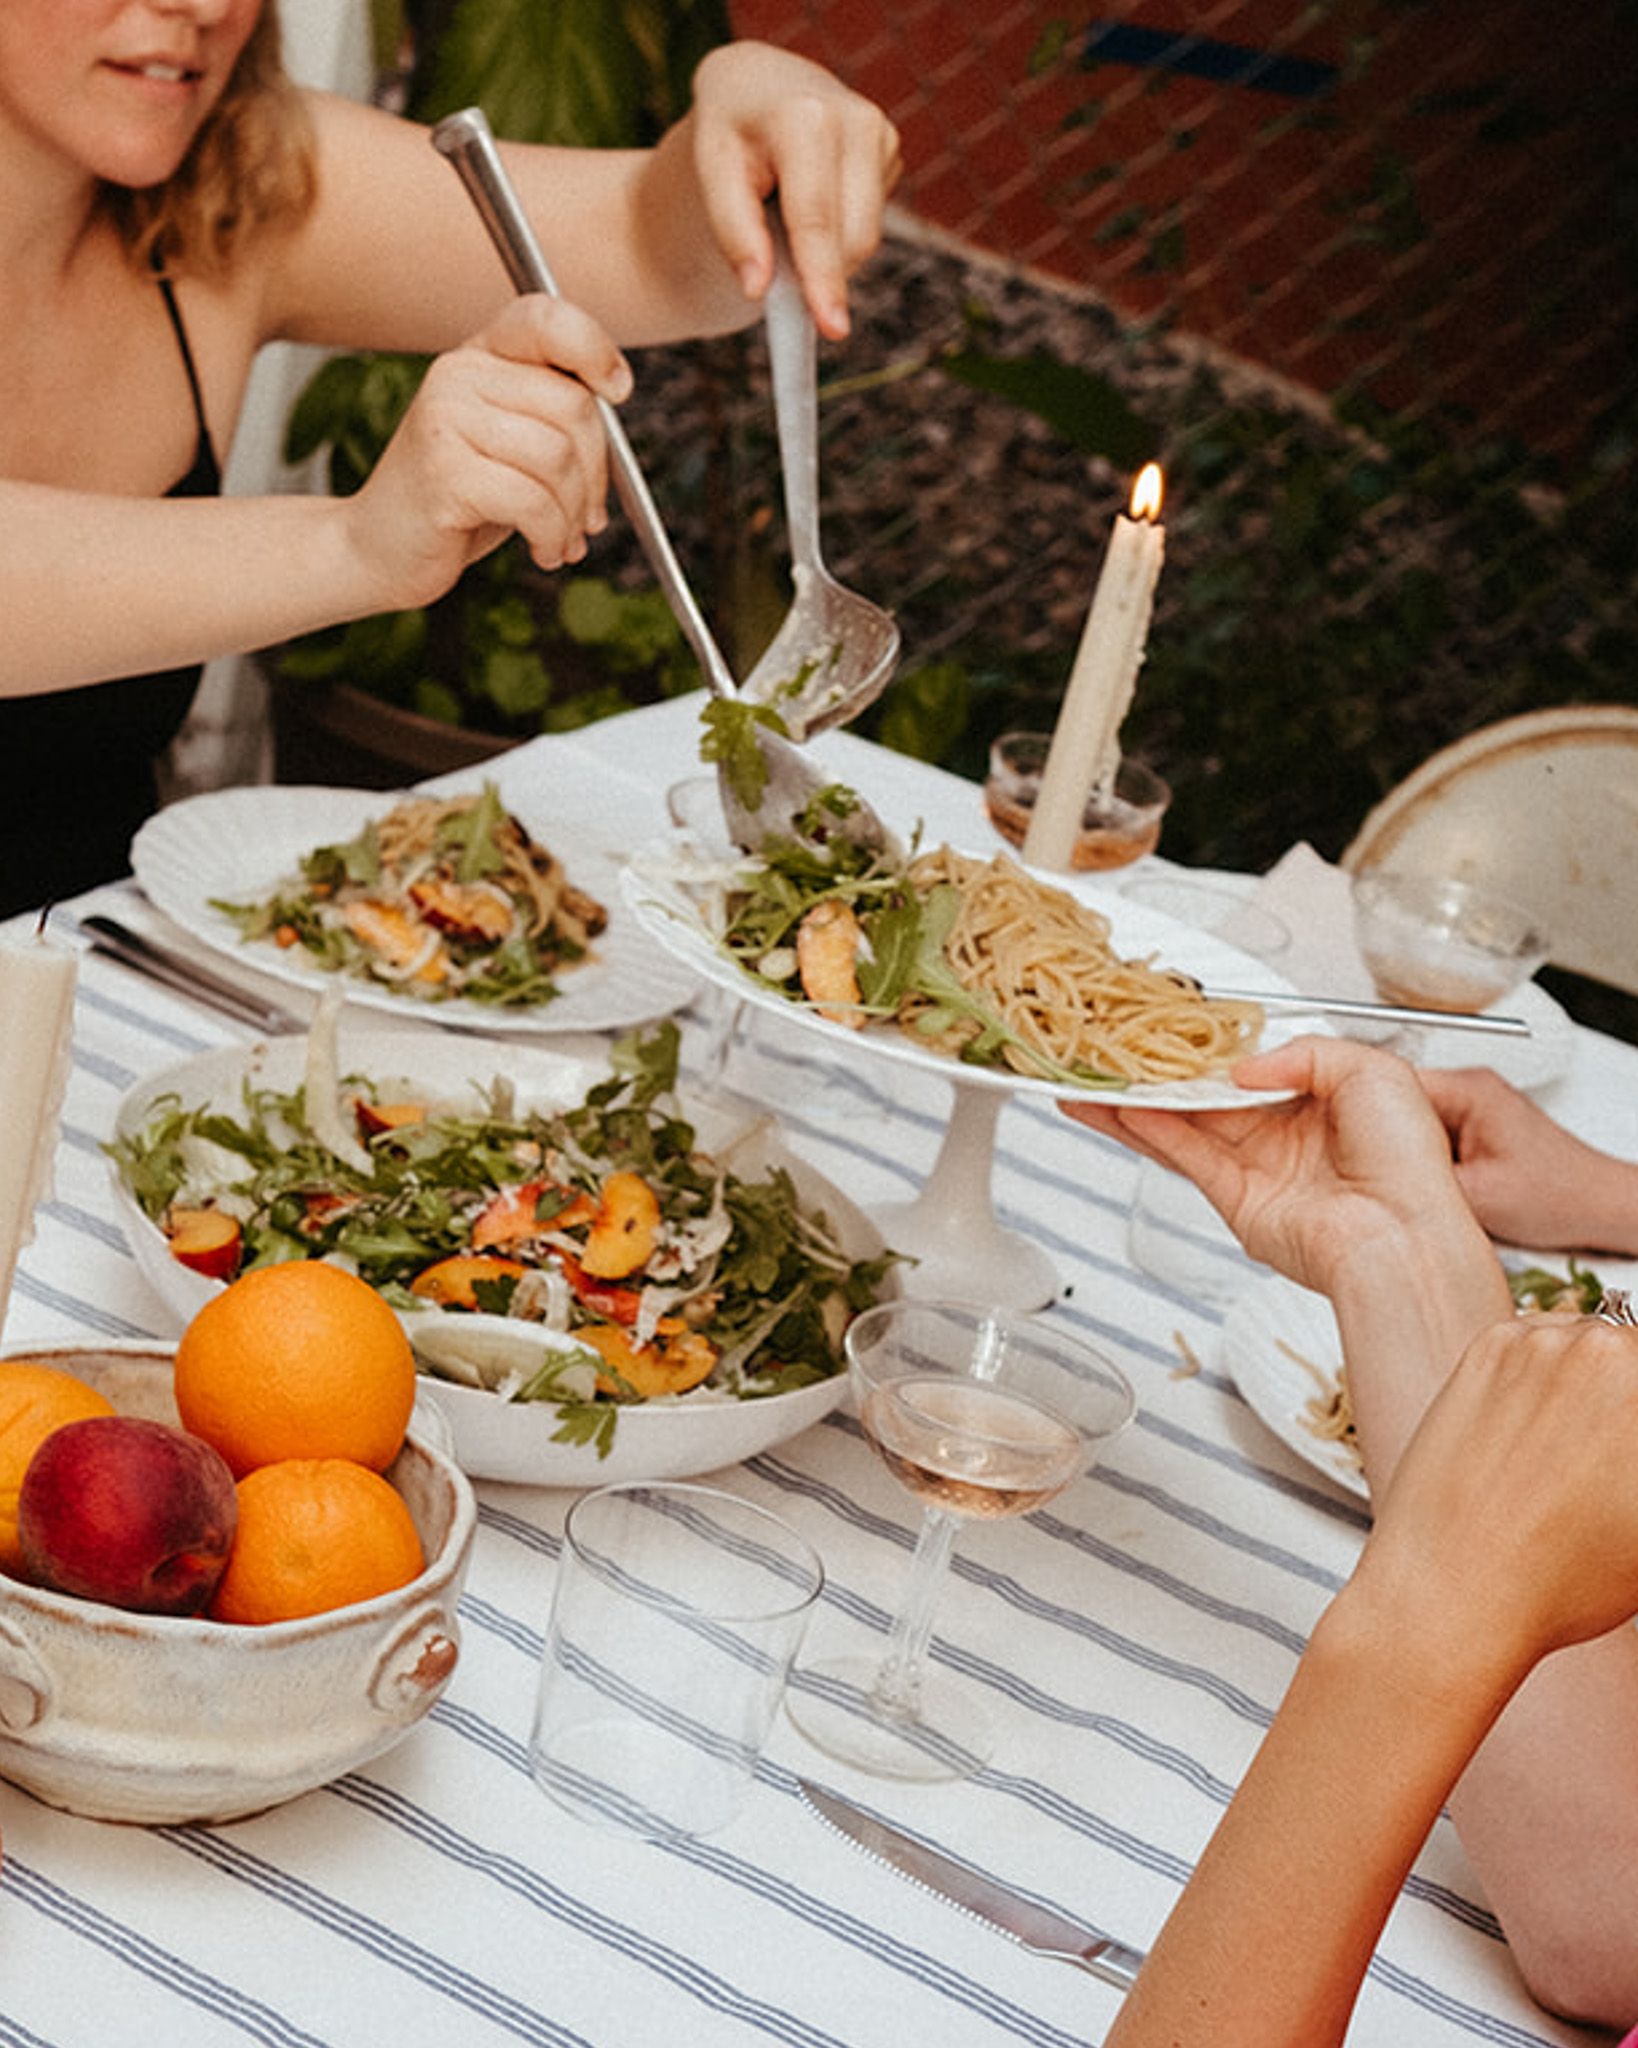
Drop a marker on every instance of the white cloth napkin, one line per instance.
(1313, 900)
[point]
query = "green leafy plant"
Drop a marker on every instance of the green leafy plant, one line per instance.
(510, 650)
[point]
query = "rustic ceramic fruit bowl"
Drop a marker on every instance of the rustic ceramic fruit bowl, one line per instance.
(155, 1719)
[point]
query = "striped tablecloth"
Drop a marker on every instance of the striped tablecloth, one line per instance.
(1135, 1637)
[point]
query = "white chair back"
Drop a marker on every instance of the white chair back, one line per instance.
(1543, 807)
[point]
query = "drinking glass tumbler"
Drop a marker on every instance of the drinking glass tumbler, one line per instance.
(675, 1617)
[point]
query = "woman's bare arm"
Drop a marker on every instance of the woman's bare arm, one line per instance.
(1510, 1535)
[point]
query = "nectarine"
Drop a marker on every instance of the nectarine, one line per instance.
(128, 1511)
(208, 1241)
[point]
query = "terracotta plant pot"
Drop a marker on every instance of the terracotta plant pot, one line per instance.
(333, 734)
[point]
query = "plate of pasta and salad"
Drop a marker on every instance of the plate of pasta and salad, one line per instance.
(454, 906)
(969, 965)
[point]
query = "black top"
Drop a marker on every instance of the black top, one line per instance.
(77, 766)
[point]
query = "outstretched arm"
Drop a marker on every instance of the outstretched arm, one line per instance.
(504, 436)
(1350, 1189)
(1511, 1530)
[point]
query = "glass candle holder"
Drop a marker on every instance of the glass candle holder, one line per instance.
(1118, 826)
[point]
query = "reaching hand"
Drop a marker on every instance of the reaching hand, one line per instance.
(1512, 1510)
(1528, 1179)
(766, 121)
(1304, 1183)
(503, 435)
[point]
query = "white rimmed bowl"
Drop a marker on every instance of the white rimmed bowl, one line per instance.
(163, 1719)
(492, 1438)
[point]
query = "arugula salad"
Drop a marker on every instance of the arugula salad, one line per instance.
(437, 898)
(651, 1268)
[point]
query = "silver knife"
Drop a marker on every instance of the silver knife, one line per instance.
(171, 970)
(1037, 1927)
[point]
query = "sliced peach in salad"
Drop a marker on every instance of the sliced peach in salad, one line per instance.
(205, 1240)
(626, 1228)
(524, 1210)
(680, 1358)
(454, 1282)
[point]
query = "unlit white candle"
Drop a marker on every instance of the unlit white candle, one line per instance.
(1085, 751)
(36, 1023)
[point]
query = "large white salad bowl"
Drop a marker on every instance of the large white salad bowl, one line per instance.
(494, 1438)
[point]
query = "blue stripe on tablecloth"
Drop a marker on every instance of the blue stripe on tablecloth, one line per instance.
(497, 1622)
(185, 1039)
(505, 1523)
(90, 1317)
(248, 2016)
(85, 1223)
(682, 1971)
(232, 1859)
(1120, 1733)
(14, 2036)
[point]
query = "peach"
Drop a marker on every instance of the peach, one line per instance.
(454, 1282)
(626, 1230)
(208, 1241)
(375, 1119)
(682, 1359)
(131, 1512)
(526, 1208)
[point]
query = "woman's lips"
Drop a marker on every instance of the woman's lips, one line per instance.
(158, 70)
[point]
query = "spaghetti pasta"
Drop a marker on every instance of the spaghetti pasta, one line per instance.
(438, 897)
(410, 843)
(1042, 961)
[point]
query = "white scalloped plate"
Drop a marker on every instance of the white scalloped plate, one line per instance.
(237, 844)
(657, 882)
(1279, 1344)
(492, 1438)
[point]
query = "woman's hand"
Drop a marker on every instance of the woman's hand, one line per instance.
(1512, 1514)
(1306, 1184)
(766, 121)
(1530, 1181)
(503, 435)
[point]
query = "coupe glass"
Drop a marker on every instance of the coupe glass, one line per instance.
(979, 1414)
(1437, 943)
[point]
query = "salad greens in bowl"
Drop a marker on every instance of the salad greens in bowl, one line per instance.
(600, 1281)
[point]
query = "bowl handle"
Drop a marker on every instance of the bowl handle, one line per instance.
(416, 1665)
(26, 1697)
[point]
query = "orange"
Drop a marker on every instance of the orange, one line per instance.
(314, 1534)
(300, 1360)
(35, 1399)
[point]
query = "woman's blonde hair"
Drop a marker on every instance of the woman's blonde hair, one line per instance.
(251, 167)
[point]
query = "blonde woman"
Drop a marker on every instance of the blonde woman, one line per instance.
(169, 202)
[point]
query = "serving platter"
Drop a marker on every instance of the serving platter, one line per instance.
(667, 885)
(238, 845)
(490, 1437)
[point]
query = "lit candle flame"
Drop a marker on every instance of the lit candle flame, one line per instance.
(1147, 492)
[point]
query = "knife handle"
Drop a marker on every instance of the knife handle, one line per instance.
(1110, 1960)
(131, 949)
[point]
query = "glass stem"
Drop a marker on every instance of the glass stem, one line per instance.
(898, 1683)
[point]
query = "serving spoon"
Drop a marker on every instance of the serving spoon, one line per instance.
(835, 651)
(791, 781)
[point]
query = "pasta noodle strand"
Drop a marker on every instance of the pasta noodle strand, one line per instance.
(1043, 961)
